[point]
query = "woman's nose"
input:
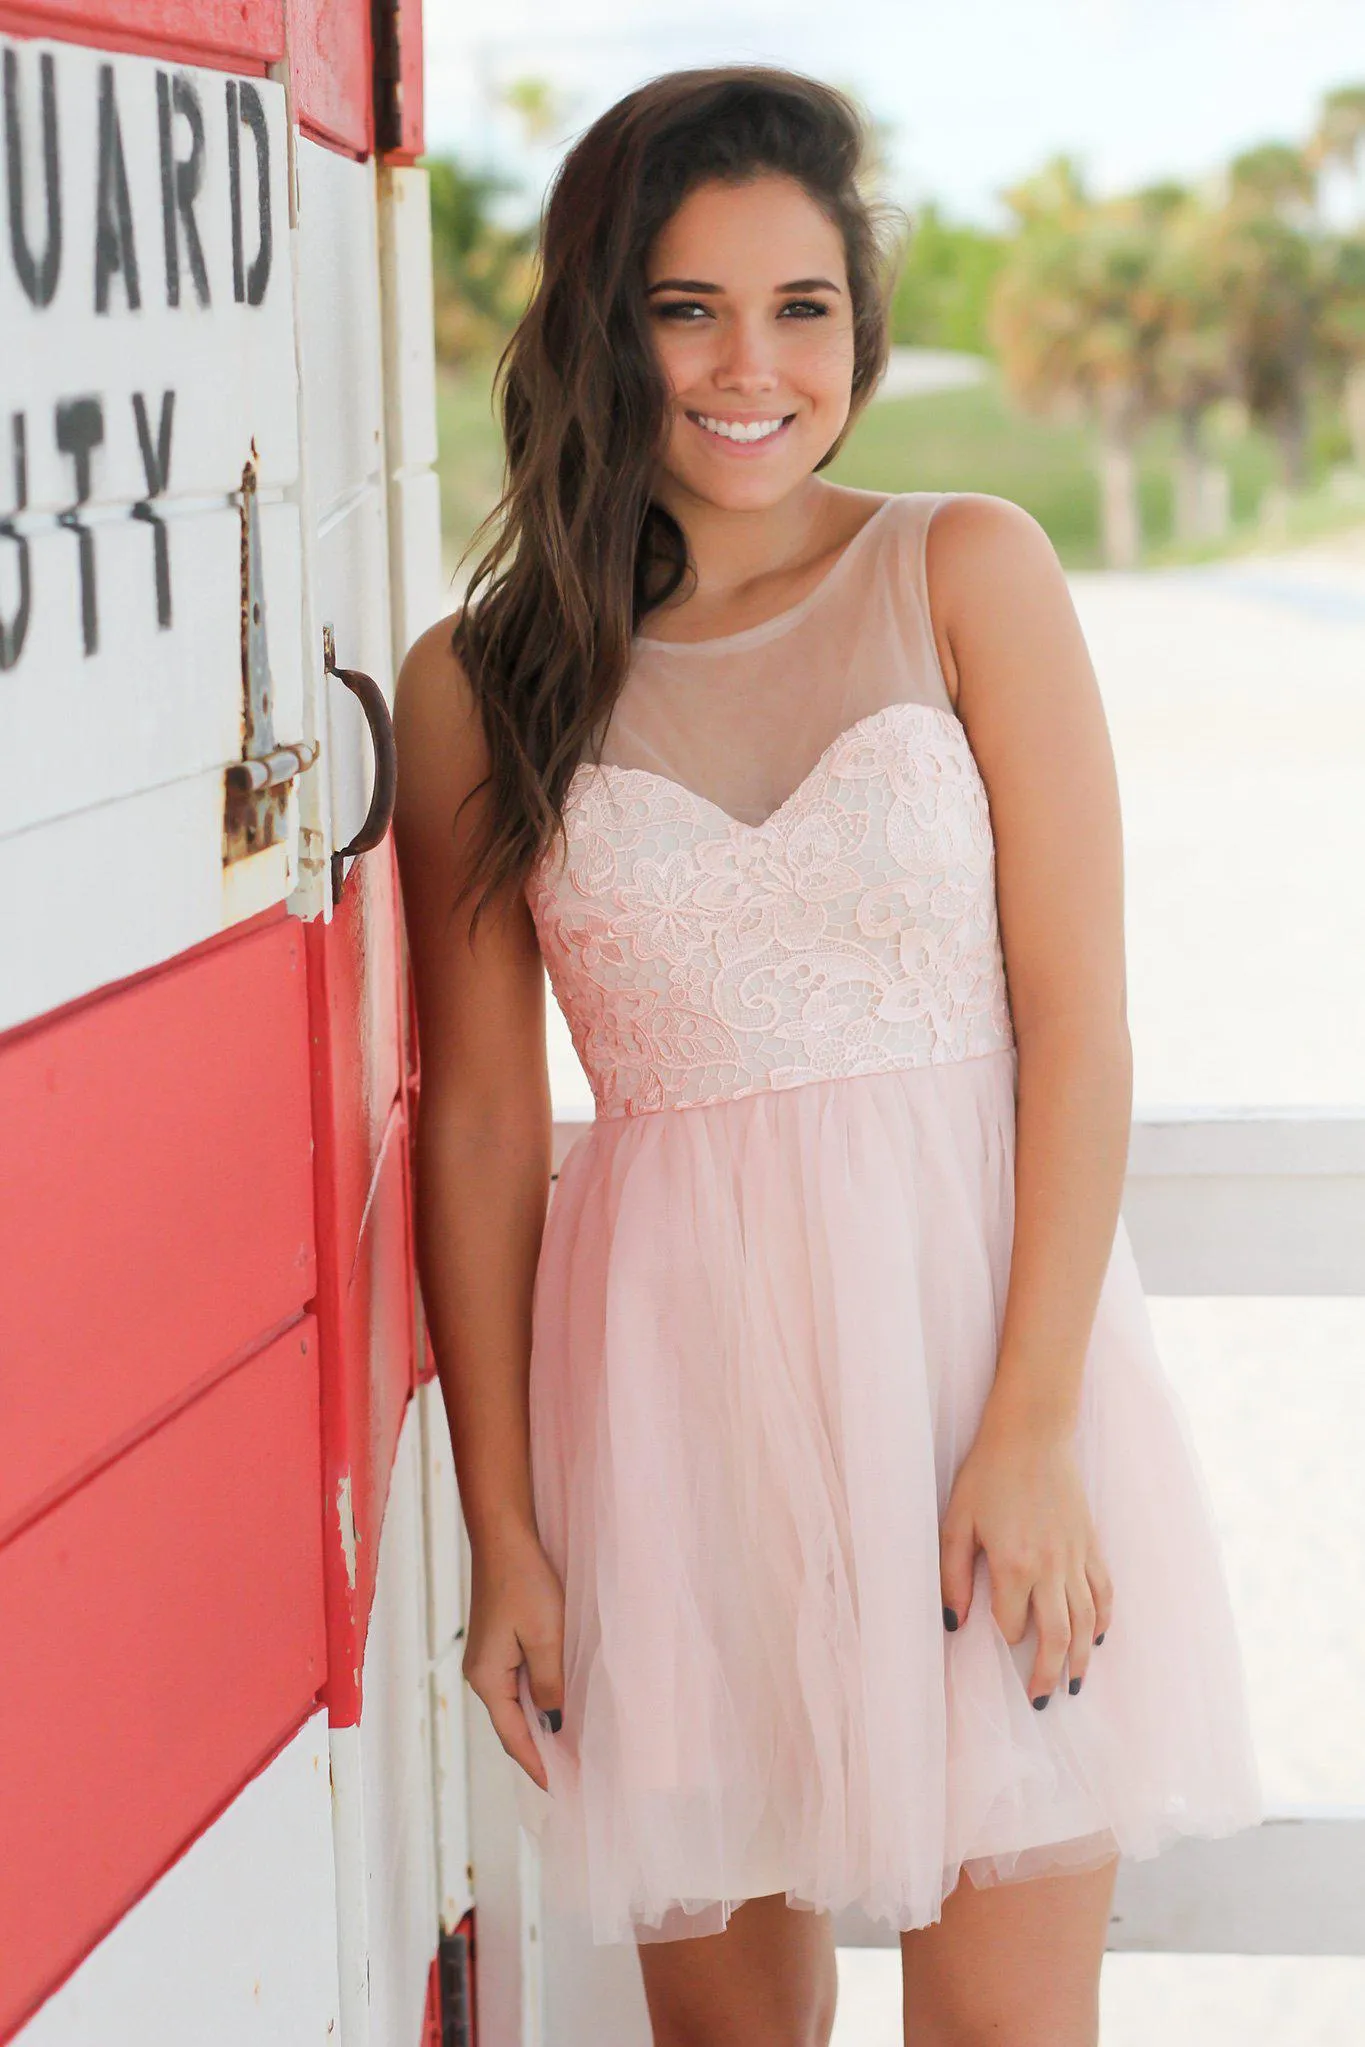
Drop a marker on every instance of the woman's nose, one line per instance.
(745, 361)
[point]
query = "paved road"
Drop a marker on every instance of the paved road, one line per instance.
(1236, 701)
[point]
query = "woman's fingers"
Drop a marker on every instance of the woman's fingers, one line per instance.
(1081, 1606)
(497, 1688)
(1011, 1586)
(956, 1559)
(544, 1655)
(1102, 1592)
(1052, 1617)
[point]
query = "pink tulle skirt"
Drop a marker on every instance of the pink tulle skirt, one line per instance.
(764, 1331)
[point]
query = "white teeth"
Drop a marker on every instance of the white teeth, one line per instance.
(730, 430)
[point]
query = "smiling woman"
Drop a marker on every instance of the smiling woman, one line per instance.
(808, 1437)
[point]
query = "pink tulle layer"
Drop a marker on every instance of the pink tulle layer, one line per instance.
(764, 1333)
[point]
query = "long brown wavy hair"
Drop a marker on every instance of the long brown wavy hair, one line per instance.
(582, 551)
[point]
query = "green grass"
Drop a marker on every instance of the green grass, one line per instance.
(974, 439)
(970, 439)
(469, 459)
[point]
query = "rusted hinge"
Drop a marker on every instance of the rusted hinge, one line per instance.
(256, 788)
(386, 36)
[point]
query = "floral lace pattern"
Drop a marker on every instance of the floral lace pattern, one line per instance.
(697, 958)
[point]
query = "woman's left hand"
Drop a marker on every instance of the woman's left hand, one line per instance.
(1018, 1495)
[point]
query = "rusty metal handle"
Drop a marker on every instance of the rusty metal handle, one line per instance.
(379, 816)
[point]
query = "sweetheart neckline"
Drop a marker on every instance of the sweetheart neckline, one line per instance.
(820, 763)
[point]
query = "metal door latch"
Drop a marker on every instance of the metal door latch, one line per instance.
(372, 702)
(256, 788)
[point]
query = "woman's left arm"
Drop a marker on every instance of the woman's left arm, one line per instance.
(1028, 697)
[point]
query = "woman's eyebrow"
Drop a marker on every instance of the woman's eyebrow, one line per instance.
(696, 284)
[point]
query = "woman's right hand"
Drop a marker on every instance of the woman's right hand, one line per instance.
(516, 1615)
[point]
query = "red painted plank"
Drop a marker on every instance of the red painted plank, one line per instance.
(163, 1633)
(365, 1298)
(276, 914)
(330, 66)
(162, 1222)
(235, 33)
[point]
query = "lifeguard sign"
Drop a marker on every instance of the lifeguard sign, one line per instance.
(232, 1801)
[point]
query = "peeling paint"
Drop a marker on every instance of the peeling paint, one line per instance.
(350, 1542)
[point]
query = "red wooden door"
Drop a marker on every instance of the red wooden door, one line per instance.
(206, 1302)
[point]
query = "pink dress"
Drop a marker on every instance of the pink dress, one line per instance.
(766, 1319)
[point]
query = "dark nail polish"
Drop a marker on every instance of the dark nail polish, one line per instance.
(949, 1619)
(554, 1719)
(1099, 1638)
(1039, 1704)
(1074, 1686)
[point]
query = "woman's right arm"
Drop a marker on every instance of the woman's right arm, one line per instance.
(482, 1158)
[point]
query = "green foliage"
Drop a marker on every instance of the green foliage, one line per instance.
(944, 289)
(481, 272)
(1170, 325)
(972, 439)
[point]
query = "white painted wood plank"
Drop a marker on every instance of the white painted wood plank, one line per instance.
(339, 326)
(235, 1946)
(229, 361)
(513, 1994)
(1295, 1885)
(95, 897)
(1300, 1142)
(1250, 1235)
(409, 346)
(149, 706)
(420, 591)
(449, 1729)
(1249, 1206)
(382, 1773)
(445, 1611)
(1254, 1202)
(395, 1743)
(592, 1994)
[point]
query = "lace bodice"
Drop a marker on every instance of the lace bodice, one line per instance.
(709, 936)
(698, 958)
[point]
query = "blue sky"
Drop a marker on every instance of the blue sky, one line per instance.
(978, 92)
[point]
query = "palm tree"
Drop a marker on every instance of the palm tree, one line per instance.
(1339, 141)
(1076, 320)
(1274, 280)
(1193, 363)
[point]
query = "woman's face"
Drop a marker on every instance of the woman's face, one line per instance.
(748, 300)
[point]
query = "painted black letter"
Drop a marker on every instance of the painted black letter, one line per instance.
(113, 215)
(156, 462)
(13, 632)
(38, 280)
(80, 428)
(253, 115)
(180, 184)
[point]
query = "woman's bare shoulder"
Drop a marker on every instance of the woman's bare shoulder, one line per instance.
(973, 532)
(442, 751)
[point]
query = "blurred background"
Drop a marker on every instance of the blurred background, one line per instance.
(1134, 302)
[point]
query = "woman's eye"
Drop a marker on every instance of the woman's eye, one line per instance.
(681, 310)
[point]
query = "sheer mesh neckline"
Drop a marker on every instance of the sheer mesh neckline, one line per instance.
(750, 636)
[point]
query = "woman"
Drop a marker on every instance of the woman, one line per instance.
(813, 1443)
